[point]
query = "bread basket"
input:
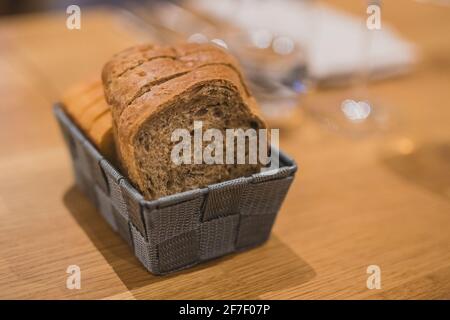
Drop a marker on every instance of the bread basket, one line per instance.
(181, 230)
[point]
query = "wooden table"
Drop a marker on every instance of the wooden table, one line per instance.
(376, 200)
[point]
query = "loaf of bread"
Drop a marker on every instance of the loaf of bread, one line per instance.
(154, 90)
(86, 105)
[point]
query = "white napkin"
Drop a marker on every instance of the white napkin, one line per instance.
(336, 43)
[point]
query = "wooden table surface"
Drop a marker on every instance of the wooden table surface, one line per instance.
(380, 199)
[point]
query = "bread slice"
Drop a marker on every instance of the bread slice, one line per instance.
(152, 98)
(101, 134)
(160, 66)
(93, 113)
(82, 96)
(87, 107)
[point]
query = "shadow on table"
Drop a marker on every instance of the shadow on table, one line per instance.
(428, 166)
(271, 267)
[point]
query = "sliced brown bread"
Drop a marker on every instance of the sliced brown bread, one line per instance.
(153, 92)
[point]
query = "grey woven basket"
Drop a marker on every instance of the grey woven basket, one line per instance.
(184, 229)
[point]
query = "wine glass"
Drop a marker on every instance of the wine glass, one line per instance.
(350, 108)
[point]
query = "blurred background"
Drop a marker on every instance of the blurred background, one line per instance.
(287, 48)
(358, 88)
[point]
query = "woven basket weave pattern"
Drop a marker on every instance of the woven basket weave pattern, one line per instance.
(181, 230)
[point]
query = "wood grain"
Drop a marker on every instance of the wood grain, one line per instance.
(381, 199)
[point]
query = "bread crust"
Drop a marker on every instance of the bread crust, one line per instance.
(161, 65)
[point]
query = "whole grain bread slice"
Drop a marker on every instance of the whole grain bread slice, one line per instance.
(201, 83)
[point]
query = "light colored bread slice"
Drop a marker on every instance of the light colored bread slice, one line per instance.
(202, 82)
(101, 134)
(94, 112)
(80, 97)
(87, 107)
